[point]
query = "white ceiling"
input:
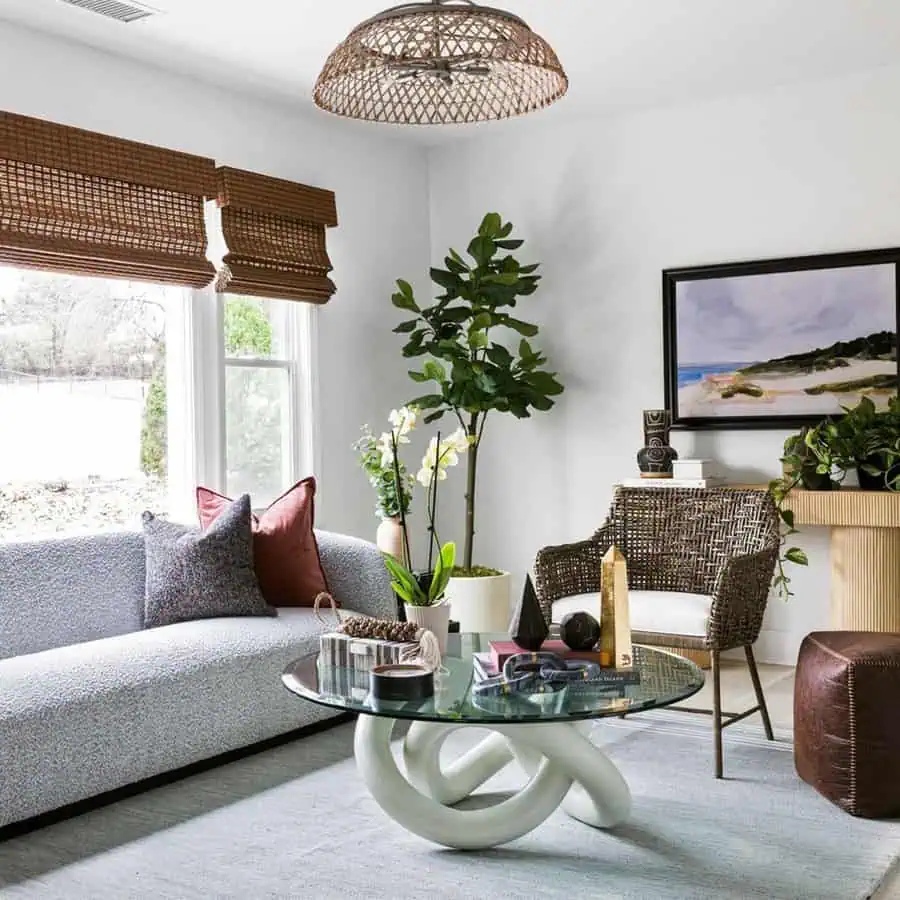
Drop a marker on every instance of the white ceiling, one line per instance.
(619, 54)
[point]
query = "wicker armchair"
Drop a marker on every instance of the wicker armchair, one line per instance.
(700, 563)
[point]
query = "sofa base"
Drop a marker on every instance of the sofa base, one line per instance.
(71, 810)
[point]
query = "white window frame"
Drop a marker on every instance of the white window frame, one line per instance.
(201, 442)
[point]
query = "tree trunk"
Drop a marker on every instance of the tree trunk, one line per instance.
(471, 469)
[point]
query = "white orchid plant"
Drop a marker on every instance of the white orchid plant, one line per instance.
(380, 457)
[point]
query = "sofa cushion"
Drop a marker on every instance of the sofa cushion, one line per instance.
(69, 590)
(660, 612)
(88, 718)
(286, 555)
(202, 574)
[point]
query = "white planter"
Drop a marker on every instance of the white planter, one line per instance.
(481, 604)
(435, 618)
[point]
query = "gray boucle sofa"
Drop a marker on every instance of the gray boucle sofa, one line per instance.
(90, 702)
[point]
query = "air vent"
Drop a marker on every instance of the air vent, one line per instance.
(114, 9)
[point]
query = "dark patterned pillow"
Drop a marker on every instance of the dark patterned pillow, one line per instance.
(193, 574)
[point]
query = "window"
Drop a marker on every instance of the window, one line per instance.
(264, 345)
(83, 426)
(117, 396)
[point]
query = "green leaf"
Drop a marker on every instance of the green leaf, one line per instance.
(500, 356)
(409, 588)
(457, 268)
(434, 371)
(796, 556)
(482, 250)
(456, 314)
(401, 301)
(527, 270)
(402, 592)
(418, 377)
(505, 278)
(524, 328)
(481, 321)
(405, 288)
(444, 279)
(477, 340)
(428, 401)
(406, 327)
(525, 350)
(545, 383)
(787, 516)
(510, 245)
(442, 571)
(491, 225)
(433, 417)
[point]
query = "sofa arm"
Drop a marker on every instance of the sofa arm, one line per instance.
(356, 575)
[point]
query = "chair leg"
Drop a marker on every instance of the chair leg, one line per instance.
(717, 711)
(760, 697)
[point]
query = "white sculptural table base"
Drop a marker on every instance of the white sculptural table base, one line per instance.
(563, 766)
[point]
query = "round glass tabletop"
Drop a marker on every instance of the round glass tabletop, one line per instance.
(658, 679)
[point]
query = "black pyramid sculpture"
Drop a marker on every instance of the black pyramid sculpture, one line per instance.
(528, 628)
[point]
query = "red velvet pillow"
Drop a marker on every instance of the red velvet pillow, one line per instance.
(285, 553)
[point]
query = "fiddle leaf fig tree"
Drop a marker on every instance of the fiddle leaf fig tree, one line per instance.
(477, 356)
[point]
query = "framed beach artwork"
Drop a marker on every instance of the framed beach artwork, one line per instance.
(780, 343)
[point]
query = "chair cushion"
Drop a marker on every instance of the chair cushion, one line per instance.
(659, 612)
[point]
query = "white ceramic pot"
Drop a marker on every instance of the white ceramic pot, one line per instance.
(389, 537)
(481, 604)
(435, 618)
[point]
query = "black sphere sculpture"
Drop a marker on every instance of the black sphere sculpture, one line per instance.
(528, 628)
(579, 631)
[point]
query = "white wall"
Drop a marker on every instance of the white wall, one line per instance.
(381, 188)
(607, 204)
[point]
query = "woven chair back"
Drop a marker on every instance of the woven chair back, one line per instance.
(677, 539)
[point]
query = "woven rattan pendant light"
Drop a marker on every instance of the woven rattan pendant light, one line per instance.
(447, 61)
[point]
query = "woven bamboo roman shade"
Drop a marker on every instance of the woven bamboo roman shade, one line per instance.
(275, 233)
(86, 203)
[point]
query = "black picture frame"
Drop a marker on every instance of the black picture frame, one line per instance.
(671, 278)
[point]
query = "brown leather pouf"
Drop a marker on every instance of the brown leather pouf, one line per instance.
(847, 720)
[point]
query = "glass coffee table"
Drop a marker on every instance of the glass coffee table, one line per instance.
(545, 734)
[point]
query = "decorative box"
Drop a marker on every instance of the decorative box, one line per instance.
(360, 654)
(344, 683)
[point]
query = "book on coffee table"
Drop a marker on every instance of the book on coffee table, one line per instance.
(501, 651)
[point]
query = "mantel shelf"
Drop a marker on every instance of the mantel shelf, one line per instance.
(848, 507)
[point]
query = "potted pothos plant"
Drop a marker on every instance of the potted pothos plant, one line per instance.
(864, 439)
(478, 360)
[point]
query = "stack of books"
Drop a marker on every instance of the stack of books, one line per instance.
(686, 473)
(490, 664)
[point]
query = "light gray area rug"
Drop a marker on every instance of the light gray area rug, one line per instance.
(296, 822)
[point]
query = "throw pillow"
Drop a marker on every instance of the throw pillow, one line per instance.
(195, 574)
(286, 554)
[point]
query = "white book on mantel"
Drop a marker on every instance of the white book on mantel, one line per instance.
(672, 482)
(692, 469)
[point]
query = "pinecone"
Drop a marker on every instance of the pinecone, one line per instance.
(379, 629)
